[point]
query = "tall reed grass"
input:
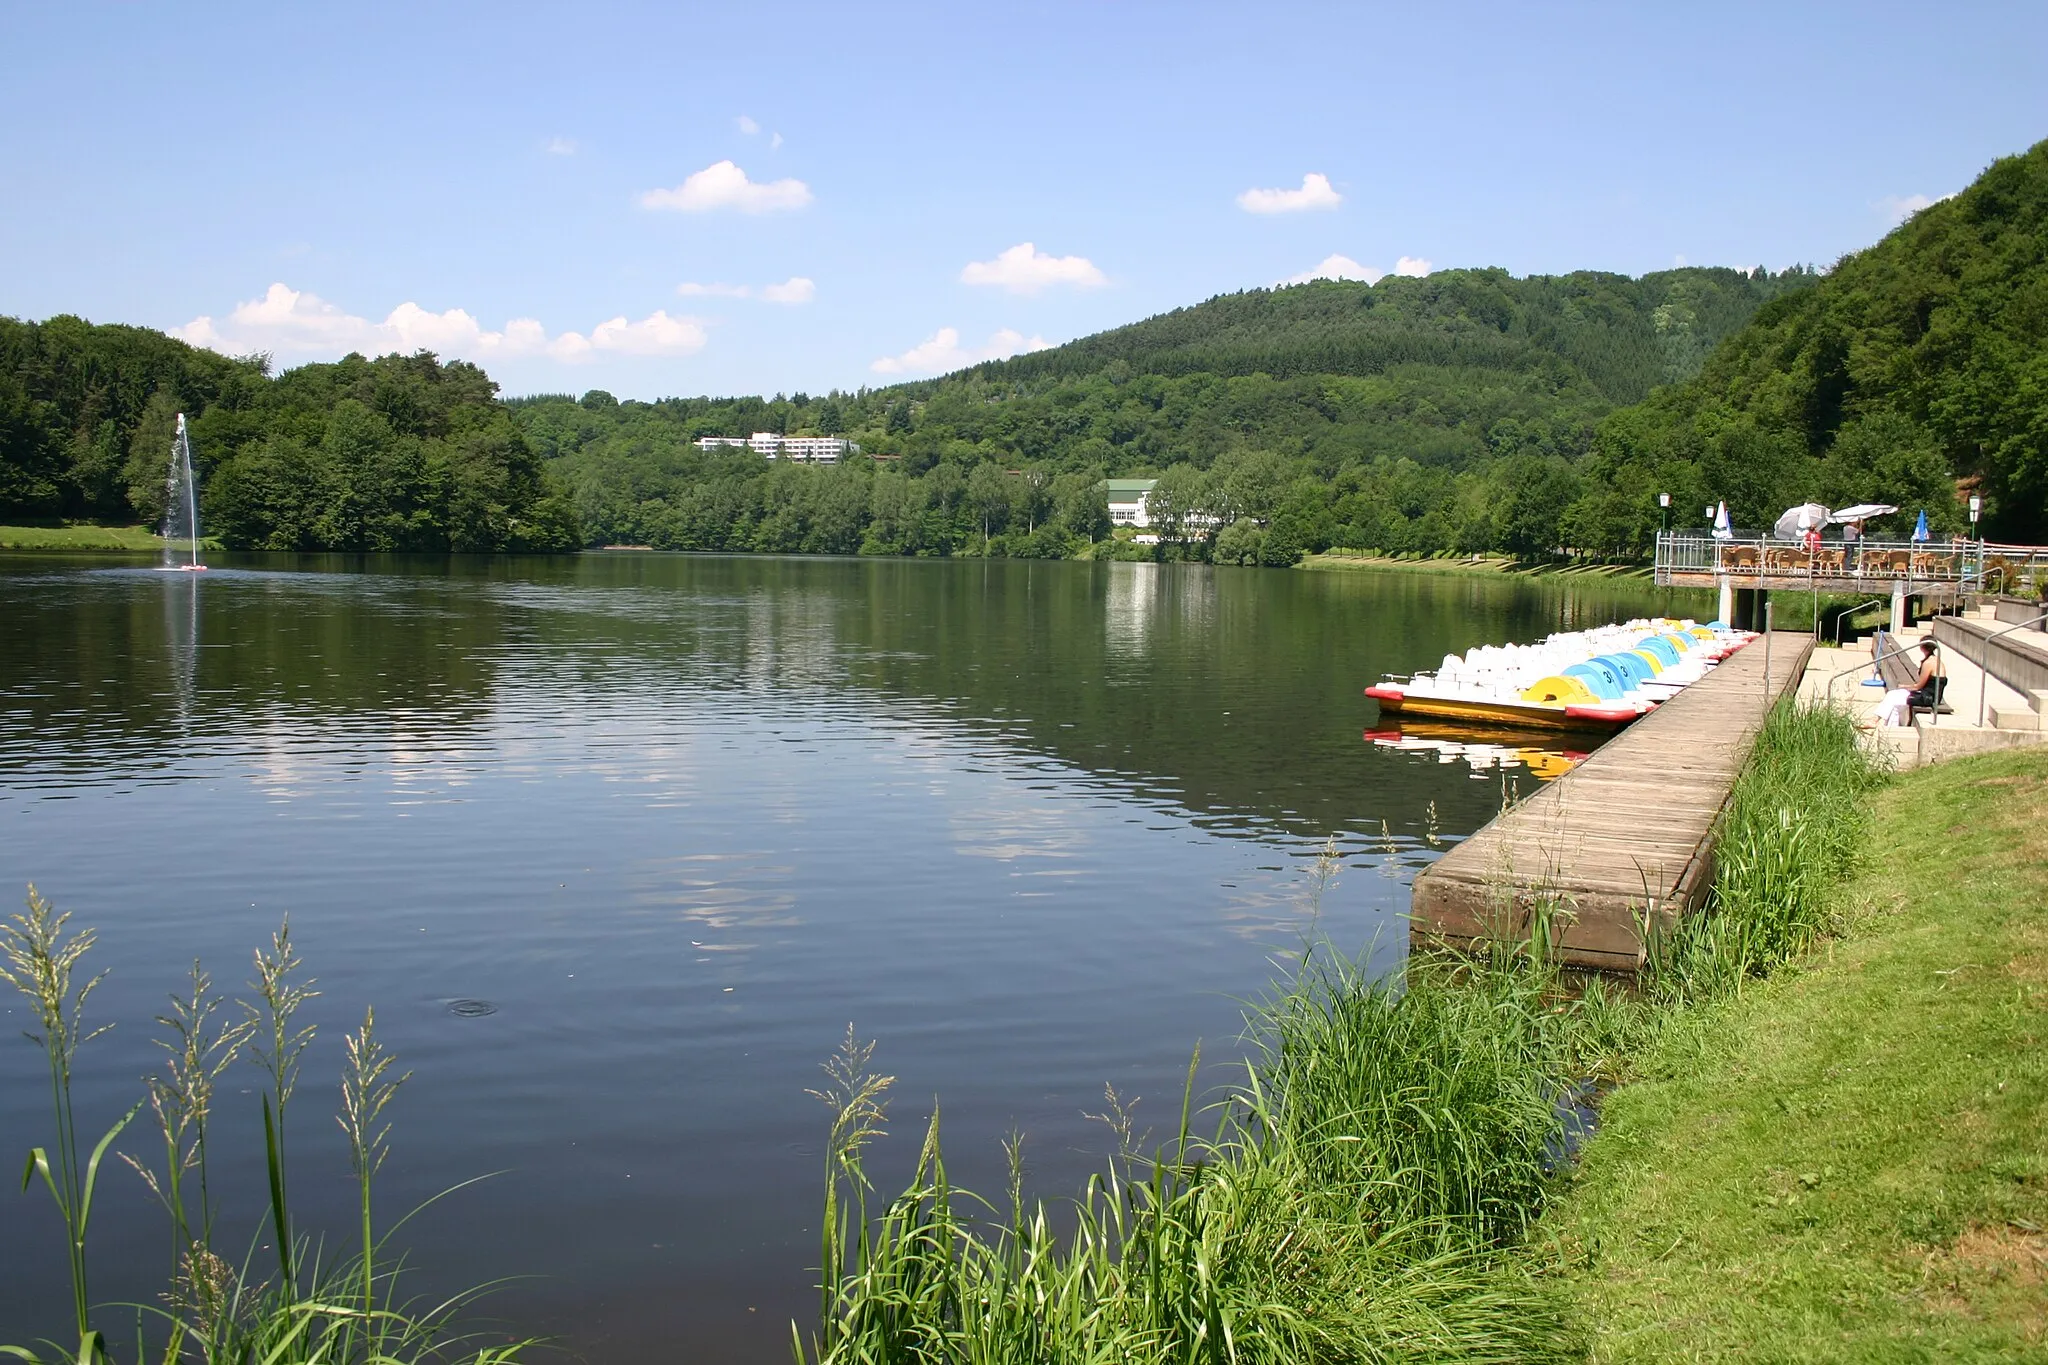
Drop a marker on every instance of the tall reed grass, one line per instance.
(1362, 1191)
(217, 1311)
(1793, 828)
(1348, 1198)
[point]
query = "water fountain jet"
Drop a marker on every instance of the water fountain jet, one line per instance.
(181, 508)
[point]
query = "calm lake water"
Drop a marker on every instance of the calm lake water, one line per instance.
(1034, 827)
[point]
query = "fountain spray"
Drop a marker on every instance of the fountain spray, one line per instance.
(181, 508)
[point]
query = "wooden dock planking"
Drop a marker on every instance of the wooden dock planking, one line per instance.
(1628, 829)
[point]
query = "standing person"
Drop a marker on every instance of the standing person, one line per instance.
(1926, 690)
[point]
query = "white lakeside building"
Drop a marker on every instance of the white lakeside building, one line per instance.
(775, 446)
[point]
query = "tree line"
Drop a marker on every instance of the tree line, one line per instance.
(1469, 411)
(397, 453)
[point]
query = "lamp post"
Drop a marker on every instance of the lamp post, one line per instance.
(1976, 508)
(1663, 511)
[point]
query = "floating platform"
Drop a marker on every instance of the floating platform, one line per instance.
(1626, 835)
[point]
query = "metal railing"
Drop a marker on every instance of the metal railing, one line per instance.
(1984, 661)
(2015, 569)
(1843, 619)
(1747, 555)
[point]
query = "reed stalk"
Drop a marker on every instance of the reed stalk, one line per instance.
(277, 1045)
(365, 1091)
(199, 1050)
(38, 959)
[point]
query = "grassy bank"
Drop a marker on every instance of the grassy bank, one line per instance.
(123, 539)
(1848, 1161)
(1366, 1191)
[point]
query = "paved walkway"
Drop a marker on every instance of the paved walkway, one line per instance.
(2008, 716)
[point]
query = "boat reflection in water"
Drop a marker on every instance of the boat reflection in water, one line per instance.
(1485, 752)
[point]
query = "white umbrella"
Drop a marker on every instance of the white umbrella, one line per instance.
(1721, 527)
(1863, 511)
(1798, 520)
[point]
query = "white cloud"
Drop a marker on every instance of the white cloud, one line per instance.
(298, 325)
(559, 146)
(1315, 193)
(1413, 266)
(774, 141)
(1024, 269)
(1334, 267)
(942, 351)
(655, 334)
(724, 185)
(1897, 208)
(795, 289)
(747, 125)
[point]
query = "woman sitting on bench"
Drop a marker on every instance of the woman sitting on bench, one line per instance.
(1924, 695)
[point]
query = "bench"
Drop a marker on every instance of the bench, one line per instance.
(1897, 669)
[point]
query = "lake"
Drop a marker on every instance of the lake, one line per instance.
(618, 845)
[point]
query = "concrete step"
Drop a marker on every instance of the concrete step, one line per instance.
(1939, 743)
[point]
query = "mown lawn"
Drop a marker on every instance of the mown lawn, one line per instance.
(1850, 1161)
(124, 538)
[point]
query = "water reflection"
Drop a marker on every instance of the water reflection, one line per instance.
(677, 821)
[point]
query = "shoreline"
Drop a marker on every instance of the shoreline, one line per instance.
(1490, 566)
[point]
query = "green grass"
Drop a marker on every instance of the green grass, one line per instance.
(125, 539)
(1849, 1160)
(1352, 1199)
(1376, 1186)
(1358, 1194)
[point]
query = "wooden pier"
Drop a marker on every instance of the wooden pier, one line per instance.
(1626, 836)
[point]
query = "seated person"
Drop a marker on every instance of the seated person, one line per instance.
(1898, 704)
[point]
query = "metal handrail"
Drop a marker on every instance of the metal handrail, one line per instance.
(1843, 619)
(1984, 658)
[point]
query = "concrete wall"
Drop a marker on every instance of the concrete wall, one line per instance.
(2013, 610)
(2021, 664)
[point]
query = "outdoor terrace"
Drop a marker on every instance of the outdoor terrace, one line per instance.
(1749, 560)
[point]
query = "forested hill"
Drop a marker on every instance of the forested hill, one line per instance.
(1620, 336)
(1915, 364)
(1447, 412)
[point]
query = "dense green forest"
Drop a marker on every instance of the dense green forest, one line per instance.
(399, 453)
(1466, 411)
(1413, 414)
(1916, 363)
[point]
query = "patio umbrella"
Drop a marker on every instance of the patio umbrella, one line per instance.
(1863, 511)
(1721, 528)
(1920, 527)
(1798, 520)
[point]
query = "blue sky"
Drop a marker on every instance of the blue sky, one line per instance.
(734, 199)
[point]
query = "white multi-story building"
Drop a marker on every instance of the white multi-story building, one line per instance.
(775, 446)
(1130, 501)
